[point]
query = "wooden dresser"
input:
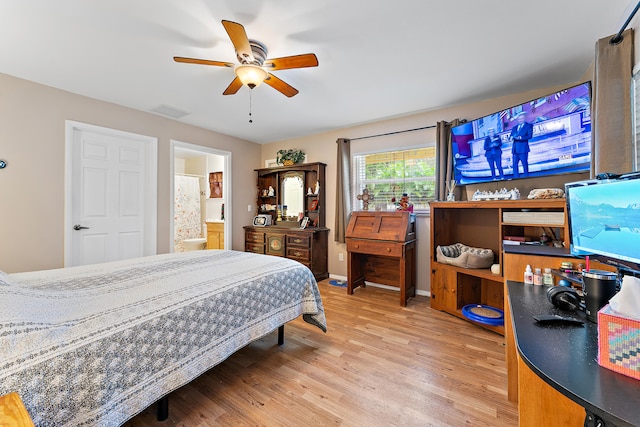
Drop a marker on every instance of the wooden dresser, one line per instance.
(381, 248)
(308, 246)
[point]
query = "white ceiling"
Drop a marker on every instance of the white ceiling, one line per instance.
(378, 59)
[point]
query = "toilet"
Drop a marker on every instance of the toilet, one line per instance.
(194, 244)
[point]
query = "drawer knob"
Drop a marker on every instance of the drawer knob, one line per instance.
(297, 254)
(357, 246)
(388, 249)
(298, 241)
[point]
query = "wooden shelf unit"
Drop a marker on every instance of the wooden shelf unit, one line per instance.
(272, 177)
(480, 224)
(285, 238)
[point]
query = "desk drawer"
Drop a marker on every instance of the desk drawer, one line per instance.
(253, 247)
(254, 237)
(372, 247)
(299, 254)
(299, 241)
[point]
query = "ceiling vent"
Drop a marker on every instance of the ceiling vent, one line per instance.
(169, 111)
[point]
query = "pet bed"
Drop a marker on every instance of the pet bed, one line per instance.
(464, 256)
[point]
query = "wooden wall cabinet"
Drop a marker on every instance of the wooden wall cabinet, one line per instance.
(482, 224)
(284, 237)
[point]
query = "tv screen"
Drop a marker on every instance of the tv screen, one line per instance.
(604, 220)
(546, 136)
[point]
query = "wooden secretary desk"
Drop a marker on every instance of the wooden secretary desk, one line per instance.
(381, 248)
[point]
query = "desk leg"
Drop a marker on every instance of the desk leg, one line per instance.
(402, 279)
(355, 277)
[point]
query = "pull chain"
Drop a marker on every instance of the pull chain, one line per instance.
(250, 119)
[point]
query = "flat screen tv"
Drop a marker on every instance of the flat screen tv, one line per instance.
(546, 136)
(604, 220)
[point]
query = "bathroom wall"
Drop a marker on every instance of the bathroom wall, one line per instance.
(213, 207)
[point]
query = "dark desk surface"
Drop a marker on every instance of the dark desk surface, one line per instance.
(565, 357)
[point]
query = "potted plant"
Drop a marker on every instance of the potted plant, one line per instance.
(289, 157)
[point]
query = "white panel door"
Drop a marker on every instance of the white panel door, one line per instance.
(108, 178)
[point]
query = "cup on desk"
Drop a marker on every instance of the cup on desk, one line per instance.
(598, 287)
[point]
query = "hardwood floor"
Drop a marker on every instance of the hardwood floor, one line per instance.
(378, 365)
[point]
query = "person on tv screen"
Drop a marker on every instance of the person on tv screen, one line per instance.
(520, 135)
(493, 153)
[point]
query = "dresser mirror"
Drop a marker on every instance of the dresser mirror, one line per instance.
(292, 195)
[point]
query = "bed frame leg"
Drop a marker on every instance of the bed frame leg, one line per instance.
(163, 408)
(281, 335)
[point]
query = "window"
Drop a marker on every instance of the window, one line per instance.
(392, 173)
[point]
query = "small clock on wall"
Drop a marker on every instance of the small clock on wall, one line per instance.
(275, 244)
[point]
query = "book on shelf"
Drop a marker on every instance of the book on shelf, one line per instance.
(518, 242)
(534, 217)
(517, 238)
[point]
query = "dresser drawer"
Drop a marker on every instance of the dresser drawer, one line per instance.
(299, 254)
(392, 249)
(254, 247)
(299, 241)
(254, 237)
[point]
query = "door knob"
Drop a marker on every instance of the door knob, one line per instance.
(79, 227)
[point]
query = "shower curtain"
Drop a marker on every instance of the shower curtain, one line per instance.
(187, 220)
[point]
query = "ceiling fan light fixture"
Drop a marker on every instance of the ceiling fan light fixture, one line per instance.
(251, 75)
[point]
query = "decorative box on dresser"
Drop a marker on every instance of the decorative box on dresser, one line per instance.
(290, 187)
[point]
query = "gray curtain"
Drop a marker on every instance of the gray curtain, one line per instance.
(343, 189)
(444, 158)
(611, 121)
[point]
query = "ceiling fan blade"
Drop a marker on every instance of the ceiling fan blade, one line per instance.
(295, 61)
(239, 38)
(282, 87)
(233, 88)
(202, 61)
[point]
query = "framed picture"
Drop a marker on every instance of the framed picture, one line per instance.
(314, 205)
(305, 222)
(215, 185)
(270, 163)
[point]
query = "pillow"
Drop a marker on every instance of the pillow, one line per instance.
(4, 279)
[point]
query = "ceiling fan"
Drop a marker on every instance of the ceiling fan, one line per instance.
(254, 67)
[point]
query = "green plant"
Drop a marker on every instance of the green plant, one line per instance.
(290, 156)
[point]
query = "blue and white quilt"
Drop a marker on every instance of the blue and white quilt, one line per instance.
(95, 345)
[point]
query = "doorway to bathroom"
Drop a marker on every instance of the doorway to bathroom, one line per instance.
(201, 195)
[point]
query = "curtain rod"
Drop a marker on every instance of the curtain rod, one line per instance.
(618, 37)
(393, 133)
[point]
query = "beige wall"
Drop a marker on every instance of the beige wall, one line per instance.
(322, 148)
(32, 141)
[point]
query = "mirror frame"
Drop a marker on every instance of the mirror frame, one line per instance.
(300, 176)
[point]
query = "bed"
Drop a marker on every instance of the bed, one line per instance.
(95, 345)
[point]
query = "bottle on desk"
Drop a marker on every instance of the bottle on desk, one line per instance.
(547, 277)
(528, 276)
(537, 277)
